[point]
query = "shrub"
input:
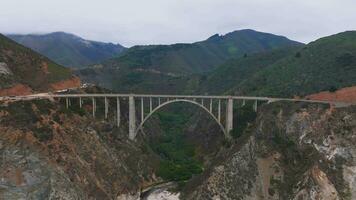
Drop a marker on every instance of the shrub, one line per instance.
(332, 89)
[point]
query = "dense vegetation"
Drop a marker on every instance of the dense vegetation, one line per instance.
(326, 64)
(178, 161)
(244, 115)
(69, 50)
(235, 71)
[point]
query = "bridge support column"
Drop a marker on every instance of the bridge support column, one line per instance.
(132, 118)
(150, 104)
(94, 106)
(229, 116)
(106, 107)
(142, 110)
(80, 102)
(67, 103)
(255, 106)
(219, 111)
(118, 114)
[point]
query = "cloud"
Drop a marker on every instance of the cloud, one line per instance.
(132, 22)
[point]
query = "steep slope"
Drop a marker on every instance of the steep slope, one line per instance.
(169, 68)
(50, 152)
(293, 151)
(25, 70)
(234, 71)
(69, 50)
(326, 64)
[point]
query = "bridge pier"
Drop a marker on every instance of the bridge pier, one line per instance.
(219, 111)
(150, 104)
(132, 118)
(255, 106)
(67, 103)
(142, 110)
(94, 106)
(118, 114)
(106, 107)
(229, 116)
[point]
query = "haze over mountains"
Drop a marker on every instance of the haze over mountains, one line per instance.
(68, 49)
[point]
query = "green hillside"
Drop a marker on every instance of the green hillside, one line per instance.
(325, 64)
(27, 67)
(200, 56)
(69, 50)
(178, 68)
(234, 71)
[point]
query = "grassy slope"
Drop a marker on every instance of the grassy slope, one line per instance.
(28, 66)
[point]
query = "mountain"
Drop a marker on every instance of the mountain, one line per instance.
(200, 56)
(23, 70)
(234, 71)
(68, 49)
(326, 64)
(169, 68)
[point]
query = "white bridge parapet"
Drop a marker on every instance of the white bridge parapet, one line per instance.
(211, 104)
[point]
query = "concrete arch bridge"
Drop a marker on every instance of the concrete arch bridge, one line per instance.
(220, 108)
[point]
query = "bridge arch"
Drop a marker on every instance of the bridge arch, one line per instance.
(140, 127)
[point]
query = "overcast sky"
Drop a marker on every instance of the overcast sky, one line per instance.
(131, 22)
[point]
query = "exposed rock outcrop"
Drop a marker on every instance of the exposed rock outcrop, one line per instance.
(49, 152)
(294, 151)
(4, 69)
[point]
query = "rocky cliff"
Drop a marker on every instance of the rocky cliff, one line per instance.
(293, 151)
(49, 152)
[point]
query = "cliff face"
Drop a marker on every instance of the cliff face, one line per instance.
(293, 151)
(49, 152)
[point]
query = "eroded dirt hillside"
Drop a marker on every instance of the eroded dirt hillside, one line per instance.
(293, 151)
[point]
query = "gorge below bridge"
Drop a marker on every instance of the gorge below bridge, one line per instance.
(212, 105)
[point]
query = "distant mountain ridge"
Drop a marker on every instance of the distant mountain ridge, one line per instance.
(200, 56)
(165, 68)
(68, 49)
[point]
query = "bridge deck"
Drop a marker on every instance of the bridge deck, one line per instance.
(270, 99)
